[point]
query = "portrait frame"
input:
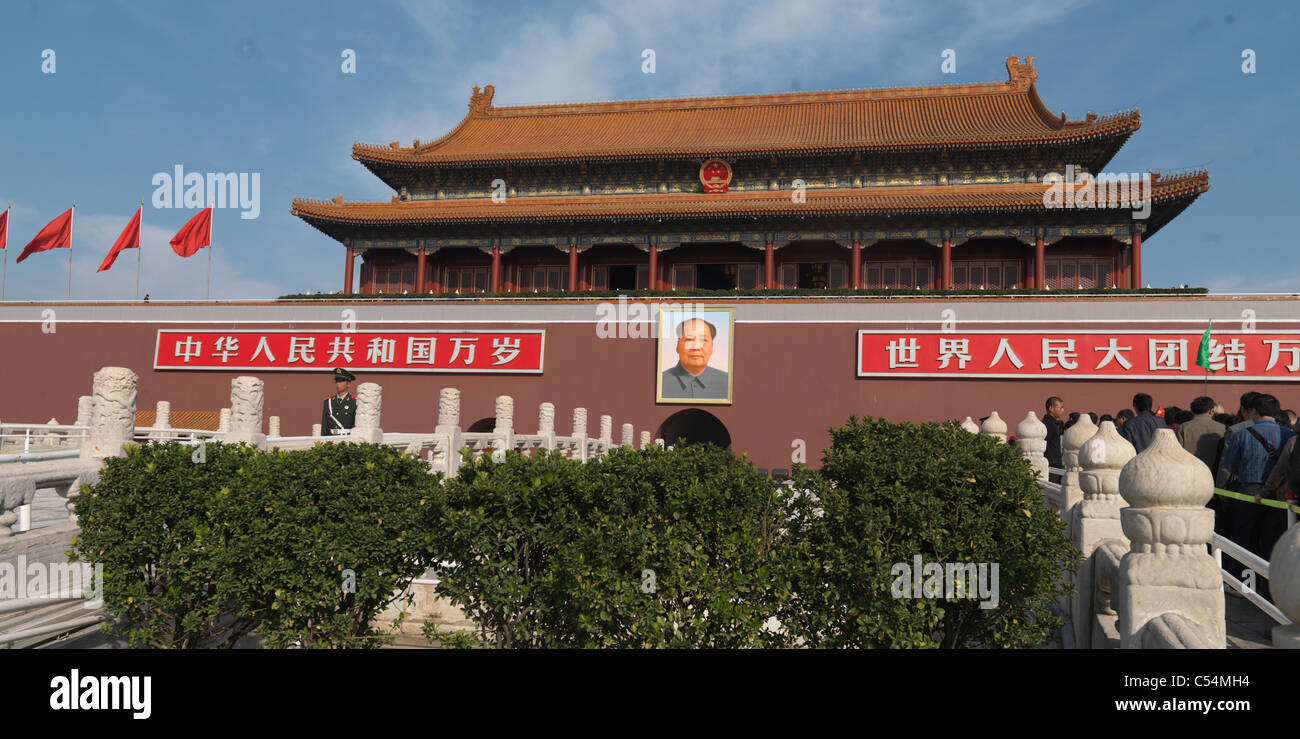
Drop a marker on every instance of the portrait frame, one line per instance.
(722, 357)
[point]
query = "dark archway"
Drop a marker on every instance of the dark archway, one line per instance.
(694, 426)
(482, 426)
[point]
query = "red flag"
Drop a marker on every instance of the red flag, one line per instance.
(194, 235)
(4, 228)
(57, 234)
(130, 239)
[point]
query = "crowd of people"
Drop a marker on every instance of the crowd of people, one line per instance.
(1251, 452)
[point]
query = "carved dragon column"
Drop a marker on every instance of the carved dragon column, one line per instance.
(579, 434)
(370, 404)
(446, 456)
(503, 429)
(546, 425)
(246, 394)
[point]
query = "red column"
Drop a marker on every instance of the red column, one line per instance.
(769, 267)
(573, 268)
(1137, 260)
(654, 267)
(1040, 266)
(435, 284)
(945, 268)
(419, 272)
(496, 269)
(347, 274)
(855, 265)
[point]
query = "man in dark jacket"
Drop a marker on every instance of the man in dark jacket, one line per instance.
(1142, 429)
(1250, 455)
(1054, 419)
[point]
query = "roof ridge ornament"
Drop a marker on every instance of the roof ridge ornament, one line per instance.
(1021, 73)
(480, 103)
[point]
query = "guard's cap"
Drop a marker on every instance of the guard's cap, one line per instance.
(342, 375)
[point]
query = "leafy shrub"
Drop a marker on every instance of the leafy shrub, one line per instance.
(319, 540)
(647, 548)
(149, 521)
(888, 492)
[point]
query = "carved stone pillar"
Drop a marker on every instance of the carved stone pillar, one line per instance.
(645, 439)
(223, 421)
(504, 427)
(628, 435)
(1031, 437)
(1073, 438)
(546, 425)
(606, 433)
(1284, 585)
(370, 404)
(315, 429)
(273, 426)
(162, 419)
(112, 416)
(994, 426)
(579, 434)
(1097, 520)
(246, 395)
(446, 455)
(85, 407)
(1168, 577)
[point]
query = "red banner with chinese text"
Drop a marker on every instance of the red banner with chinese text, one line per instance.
(1119, 355)
(358, 351)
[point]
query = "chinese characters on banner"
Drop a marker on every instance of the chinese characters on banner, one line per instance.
(365, 351)
(1097, 355)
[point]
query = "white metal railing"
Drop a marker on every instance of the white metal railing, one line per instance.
(1219, 545)
(28, 434)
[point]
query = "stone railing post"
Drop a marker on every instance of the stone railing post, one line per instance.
(85, 406)
(1284, 586)
(1101, 459)
(315, 429)
(659, 443)
(606, 433)
(53, 438)
(645, 439)
(223, 421)
(1031, 437)
(246, 395)
(446, 458)
(162, 419)
(273, 426)
(970, 425)
(1168, 574)
(1073, 438)
(579, 434)
(504, 428)
(546, 425)
(112, 416)
(628, 435)
(994, 426)
(370, 404)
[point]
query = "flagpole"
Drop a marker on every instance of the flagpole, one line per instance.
(139, 247)
(208, 294)
(9, 217)
(71, 220)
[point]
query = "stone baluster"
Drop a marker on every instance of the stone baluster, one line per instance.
(1168, 583)
(223, 422)
(446, 458)
(85, 406)
(1031, 437)
(1073, 438)
(659, 443)
(546, 425)
(273, 427)
(52, 438)
(162, 419)
(645, 439)
(579, 434)
(370, 404)
(246, 396)
(628, 435)
(606, 433)
(504, 428)
(994, 426)
(1101, 459)
(970, 425)
(315, 429)
(1284, 586)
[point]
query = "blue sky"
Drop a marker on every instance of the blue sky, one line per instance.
(140, 87)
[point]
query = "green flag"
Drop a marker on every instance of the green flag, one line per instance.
(1203, 354)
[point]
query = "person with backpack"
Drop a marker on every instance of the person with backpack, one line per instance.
(1251, 454)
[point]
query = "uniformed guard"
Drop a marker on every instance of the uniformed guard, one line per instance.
(340, 411)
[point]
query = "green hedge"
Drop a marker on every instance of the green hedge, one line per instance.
(202, 548)
(803, 293)
(889, 492)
